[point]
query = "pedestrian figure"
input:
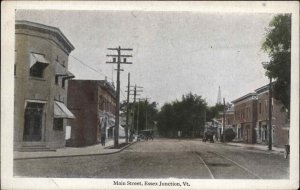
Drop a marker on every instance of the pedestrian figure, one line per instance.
(103, 140)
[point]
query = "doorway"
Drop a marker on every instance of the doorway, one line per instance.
(33, 121)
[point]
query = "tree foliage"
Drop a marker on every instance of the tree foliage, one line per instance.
(213, 111)
(278, 45)
(186, 116)
(143, 112)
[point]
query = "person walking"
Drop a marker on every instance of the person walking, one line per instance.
(103, 139)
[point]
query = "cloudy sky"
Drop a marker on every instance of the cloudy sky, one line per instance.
(173, 52)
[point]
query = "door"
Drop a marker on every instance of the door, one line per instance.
(33, 122)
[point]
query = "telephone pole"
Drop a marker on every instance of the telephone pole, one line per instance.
(127, 112)
(146, 102)
(137, 119)
(270, 114)
(116, 59)
(135, 93)
(224, 121)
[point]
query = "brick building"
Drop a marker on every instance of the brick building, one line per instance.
(280, 124)
(41, 74)
(245, 117)
(93, 103)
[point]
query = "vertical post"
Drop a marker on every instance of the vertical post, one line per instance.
(137, 118)
(116, 138)
(134, 109)
(270, 114)
(127, 112)
(118, 56)
(146, 102)
(224, 121)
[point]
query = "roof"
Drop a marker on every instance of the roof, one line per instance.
(103, 83)
(44, 28)
(263, 88)
(249, 95)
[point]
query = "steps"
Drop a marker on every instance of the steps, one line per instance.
(35, 148)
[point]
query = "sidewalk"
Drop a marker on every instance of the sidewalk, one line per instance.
(72, 151)
(255, 147)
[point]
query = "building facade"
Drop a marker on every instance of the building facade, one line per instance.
(93, 103)
(245, 117)
(280, 123)
(41, 75)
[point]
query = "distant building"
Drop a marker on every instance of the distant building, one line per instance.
(280, 123)
(93, 103)
(229, 121)
(245, 117)
(41, 75)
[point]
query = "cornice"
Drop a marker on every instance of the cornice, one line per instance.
(52, 31)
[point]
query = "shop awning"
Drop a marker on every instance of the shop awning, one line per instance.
(60, 70)
(38, 59)
(61, 111)
(69, 75)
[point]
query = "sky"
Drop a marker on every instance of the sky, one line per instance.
(174, 53)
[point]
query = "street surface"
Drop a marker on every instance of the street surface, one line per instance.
(164, 158)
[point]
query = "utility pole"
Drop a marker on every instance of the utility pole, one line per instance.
(270, 114)
(135, 93)
(118, 62)
(224, 121)
(146, 102)
(137, 119)
(144, 99)
(127, 112)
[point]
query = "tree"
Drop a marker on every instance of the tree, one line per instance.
(278, 45)
(213, 111)
(187, 116)
(145, 112)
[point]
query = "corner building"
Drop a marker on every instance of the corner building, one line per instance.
(245, 117)
(41, 83)
(280, 122)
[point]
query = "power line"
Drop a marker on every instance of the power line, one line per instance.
(87, 65)
(82, 62)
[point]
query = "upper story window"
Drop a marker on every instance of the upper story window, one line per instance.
(61, 75)
(38, 63)
(259, 108)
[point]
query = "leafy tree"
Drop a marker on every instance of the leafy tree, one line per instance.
(186, 116)
(278, 45)
(213, 111)
(145, 112)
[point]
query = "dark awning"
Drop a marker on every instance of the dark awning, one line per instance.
(38, 60)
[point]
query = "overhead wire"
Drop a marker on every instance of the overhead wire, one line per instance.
(87, 65)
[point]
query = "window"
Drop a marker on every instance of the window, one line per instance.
(266, 106)
(58, 124)
(33, 122)
(37, 65)
(63, 83)
(259, 107)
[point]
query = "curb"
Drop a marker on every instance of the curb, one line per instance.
(77, 155)
(254, 149)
